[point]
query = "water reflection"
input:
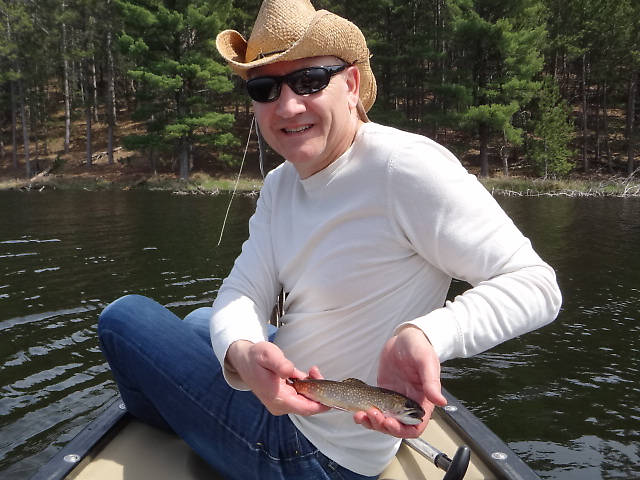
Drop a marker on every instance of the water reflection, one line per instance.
(564, 397)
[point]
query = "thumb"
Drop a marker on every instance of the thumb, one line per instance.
(273, 359)
(433, 391)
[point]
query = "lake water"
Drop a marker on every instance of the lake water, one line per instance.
(565, 398)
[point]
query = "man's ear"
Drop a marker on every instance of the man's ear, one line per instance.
(353, 85)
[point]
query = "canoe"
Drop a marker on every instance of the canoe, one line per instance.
(115, 446)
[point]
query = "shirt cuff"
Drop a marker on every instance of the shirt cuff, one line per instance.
(442, 330)
(230, 325)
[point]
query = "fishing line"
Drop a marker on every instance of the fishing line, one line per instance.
(261, 149)
(235, 187)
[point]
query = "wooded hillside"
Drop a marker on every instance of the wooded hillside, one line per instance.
(544, 86)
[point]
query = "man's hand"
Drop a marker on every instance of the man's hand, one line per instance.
(408, 365)
(265, 369)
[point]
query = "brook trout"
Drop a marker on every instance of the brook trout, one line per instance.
(354, 395)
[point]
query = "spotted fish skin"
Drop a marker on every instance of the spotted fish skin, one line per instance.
(354, 395)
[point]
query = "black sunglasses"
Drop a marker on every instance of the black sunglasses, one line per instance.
(303, 82)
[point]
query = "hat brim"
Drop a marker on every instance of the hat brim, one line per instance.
(327, 35)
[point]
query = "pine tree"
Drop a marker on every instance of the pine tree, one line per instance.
(9, 67)
(20, 51)
(76, 21)
(549, 149)
(241, 19)
(179, 85)
(498, 56)
(631, 60)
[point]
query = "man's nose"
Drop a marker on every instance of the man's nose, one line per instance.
(289, 103)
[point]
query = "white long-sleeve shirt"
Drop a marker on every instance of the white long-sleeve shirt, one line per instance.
(365, 246)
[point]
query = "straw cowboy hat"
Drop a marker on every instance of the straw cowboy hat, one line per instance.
(293, 29)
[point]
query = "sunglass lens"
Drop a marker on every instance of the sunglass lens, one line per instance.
(309, 80)
(302, 82)
(264, 89)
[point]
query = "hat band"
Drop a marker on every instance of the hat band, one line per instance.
(265, 55)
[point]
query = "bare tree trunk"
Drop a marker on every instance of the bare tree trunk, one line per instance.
(87, 111)
(82, 82)
(25, 128)
(34, 109)
(94, 87)
(585, 158)
(484, 150)
(89, 117)
(113, 104)
(598, 104)
(631, 102)
(110, 143)
(43, 93)
(152, 161)
(504, 154)
(111, 94)
(605, 125)
(184, 159)
(14, 135)
(546, 160)
(67, 96)
(14, 126)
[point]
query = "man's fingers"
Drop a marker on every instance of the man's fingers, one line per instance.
(373, 419)
(433, 392)
(376, 418)
(314, 372)
(431, 383)
(361, 418)
(271, 358)
(303, 406)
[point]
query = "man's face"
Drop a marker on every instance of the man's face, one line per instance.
(310, 131)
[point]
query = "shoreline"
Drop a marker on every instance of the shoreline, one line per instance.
(587, 186)
(201, 183)
(198, 184)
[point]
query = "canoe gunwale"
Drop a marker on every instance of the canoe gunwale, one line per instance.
(105, 424)
(484, 443)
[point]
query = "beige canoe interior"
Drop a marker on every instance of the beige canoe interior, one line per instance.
(140, 452)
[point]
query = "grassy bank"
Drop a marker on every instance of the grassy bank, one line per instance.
(206, 184)
(592, 186)
(199, 183)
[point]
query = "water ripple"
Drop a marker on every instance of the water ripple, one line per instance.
(565, 397)
(39, 317)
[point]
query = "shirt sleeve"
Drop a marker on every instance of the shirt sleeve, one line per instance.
(450, 219)
(244, 303)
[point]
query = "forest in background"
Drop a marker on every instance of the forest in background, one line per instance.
(543, 87)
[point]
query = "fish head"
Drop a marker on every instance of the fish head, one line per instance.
(409, 413)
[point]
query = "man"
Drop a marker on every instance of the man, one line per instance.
(363, 227)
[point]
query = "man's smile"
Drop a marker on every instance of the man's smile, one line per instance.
(294, 130)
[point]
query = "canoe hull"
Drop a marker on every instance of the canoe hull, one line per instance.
(116, 446)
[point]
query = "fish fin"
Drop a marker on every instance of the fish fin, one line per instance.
(341, 409)
(353, 381)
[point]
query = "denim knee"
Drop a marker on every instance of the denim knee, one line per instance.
(116, 310)
(125, 307)
(199, 316)
(126, 315)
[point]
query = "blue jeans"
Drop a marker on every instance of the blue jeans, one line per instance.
(169, 377)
